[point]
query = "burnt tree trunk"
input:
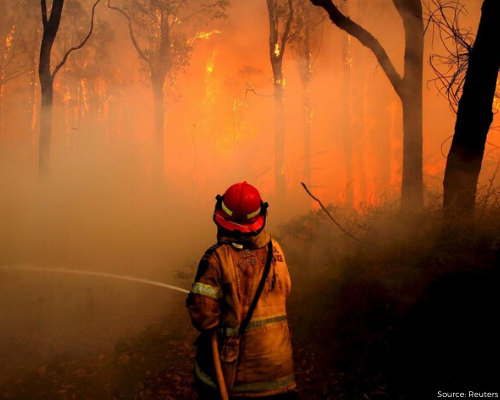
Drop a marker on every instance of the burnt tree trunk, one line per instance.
(305, 77)
(346, 120)
(50, 28)
(304, 64)
(412, 190)
(408, 87)
(279, 137)
(33, 87)
(474, 117)
(277, 46)
(157, 82)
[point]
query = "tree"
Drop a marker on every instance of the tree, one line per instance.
(305, 39)
(13, 42)
(163, 34)
(474, 117)
(50, 28)
(408, 87)
(277, 46)
(87, 71)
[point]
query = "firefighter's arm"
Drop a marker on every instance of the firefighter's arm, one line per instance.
(203, 301)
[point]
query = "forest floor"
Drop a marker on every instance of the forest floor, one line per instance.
(157, 364)
(399, 324)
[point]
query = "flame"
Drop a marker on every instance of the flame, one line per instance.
(496, 99)
(281, 82)
(8, 41)
(33, 104)
(206, 35)
(84, 93)
(103, 108)
(66, 96)
(211, 61)
(202, 35)
(396, 144)
(277, 49)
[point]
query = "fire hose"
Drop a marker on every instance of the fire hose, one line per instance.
(215, 350)
(243, 326)
(218, 367)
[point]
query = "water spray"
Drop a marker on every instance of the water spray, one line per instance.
(99, 274)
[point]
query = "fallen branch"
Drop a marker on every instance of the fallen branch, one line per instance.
(328, 213)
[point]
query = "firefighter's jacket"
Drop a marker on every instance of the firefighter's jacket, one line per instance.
(259, 362)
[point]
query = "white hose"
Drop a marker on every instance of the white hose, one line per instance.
(101, 274)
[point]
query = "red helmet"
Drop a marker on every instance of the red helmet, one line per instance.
(240, 209)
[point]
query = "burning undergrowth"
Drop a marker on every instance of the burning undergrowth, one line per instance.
(394, 306)
(401, 307)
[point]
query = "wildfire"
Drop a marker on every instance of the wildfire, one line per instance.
(202, 35)
(211, 62)
(348, 58)
(8, 42)
(496, 99)
(277, 49)
(280, 82)
(84, 96)
(206, 35)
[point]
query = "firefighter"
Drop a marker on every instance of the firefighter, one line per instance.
(240, 290)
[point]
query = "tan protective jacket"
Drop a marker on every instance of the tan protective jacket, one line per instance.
(259, 363)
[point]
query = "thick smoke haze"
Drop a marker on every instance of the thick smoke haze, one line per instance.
(100, 208)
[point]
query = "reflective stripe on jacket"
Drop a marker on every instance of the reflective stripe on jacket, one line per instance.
(260, 361)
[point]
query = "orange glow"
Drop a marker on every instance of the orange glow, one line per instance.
(277, 49)
(206, 35)
(211, 61)
(218, 130)
(496, 99)
(203, 35)
(84, 106)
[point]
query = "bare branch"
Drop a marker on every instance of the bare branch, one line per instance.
(365, 38)
(250, 88)
(451, 67)
(43, 5)
(328, 213)
(132, 36)
(320, 42)
(82, 43)
(13, 76)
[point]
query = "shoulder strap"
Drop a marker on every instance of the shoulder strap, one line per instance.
(255, 300)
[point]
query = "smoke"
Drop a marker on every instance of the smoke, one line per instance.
(101, 208)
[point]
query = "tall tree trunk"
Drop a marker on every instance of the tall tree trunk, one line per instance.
(346, 119)
(47, 89)
(305, 72)
(474, 117)
(412, 190)
(307, 109)
(157, 82)
(50, 28)
(408, 87)
(412, 186)
(32, 95)
(277, 46)
(382, 142)
(279, 138)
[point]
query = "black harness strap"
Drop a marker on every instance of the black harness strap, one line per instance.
(255, 300)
